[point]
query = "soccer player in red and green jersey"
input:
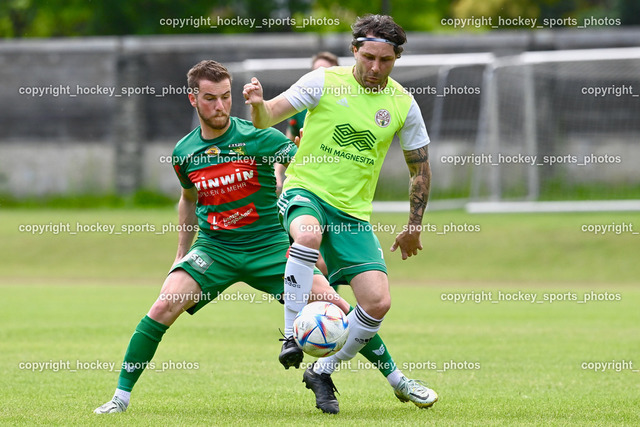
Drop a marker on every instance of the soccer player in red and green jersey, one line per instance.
(225, 167)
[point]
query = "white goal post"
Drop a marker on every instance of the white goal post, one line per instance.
(536, 126)
(564, 119)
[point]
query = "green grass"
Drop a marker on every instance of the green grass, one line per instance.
(142, 198)
(511, 249)
(555, 188)
(78, 297)
(526, 361)
(559, 188)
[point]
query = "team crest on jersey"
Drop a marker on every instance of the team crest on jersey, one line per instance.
(383, 118)
(212, 151)
(238, 150)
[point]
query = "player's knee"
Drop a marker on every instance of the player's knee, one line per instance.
(378, 308)
(383, 307)
(160, 308)
(165, 310)
(309, 239)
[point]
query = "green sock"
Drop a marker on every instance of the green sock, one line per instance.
(376, 352)
(142, 347)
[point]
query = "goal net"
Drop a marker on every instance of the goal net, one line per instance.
(560, 126)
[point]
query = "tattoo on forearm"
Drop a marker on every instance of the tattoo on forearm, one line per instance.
(420, 155)
(420, 183)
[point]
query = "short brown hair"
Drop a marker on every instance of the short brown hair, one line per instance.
(380, 26)
(207, 70)
(327, 56)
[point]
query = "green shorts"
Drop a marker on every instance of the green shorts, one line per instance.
(215, 267)
(349, 246)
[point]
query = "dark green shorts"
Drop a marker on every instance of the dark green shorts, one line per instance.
(215, 267)
(349, 246)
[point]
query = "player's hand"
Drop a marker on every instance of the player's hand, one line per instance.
(408, 242)
(297, 139)
(252, 92)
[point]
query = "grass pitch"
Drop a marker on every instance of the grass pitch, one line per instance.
(71, 302)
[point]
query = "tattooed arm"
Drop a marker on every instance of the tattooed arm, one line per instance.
(409, 239)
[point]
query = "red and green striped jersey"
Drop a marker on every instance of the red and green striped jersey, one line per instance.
(234, 176)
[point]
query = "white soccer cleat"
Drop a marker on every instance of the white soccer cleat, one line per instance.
(415, 391)
(112, 406)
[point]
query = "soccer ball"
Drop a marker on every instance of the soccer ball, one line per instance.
(320, 329)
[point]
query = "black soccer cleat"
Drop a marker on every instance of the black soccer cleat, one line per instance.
(291, 354)
(323, 387)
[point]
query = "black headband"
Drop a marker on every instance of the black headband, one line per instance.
(376, 39)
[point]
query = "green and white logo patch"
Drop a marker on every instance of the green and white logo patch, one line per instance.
(199, 260)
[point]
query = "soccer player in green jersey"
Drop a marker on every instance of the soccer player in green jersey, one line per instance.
(354, 113)
(225, 167)
(320, 59)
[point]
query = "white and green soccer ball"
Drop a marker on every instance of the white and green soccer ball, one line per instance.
(320, 329)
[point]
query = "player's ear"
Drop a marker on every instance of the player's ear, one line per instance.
(192, 99)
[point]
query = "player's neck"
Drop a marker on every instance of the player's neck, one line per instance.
(207, 132)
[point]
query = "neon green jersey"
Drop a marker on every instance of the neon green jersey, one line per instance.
(347, 134)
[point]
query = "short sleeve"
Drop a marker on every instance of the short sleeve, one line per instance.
(179, 168)
(307, 91)
(413, 134)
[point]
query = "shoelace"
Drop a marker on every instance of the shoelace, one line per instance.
(285, 338)
(333, 386)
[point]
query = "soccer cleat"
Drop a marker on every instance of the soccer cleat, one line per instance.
(323, 387)
(416, 392)
(112, 406)
(291, 354)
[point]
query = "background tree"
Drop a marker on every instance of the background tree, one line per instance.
(63, 18)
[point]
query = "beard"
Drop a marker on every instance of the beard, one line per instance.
(370, 81)
(216, 122)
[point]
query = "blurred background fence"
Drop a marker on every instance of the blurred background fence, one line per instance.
(542, 115)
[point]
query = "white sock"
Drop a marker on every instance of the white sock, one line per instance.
(298, 278)
(289, 316)
(395, 377)
(125, 396)
(326, 365)
(362, 328)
